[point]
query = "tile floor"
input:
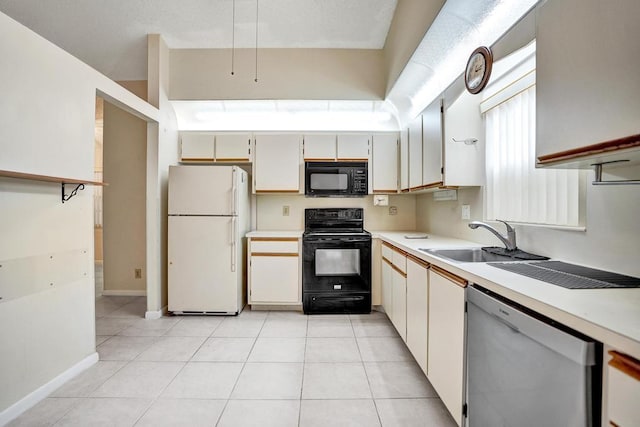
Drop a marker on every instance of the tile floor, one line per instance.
(257, 369)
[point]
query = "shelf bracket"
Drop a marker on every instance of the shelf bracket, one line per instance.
(597, 167)
(65, 197)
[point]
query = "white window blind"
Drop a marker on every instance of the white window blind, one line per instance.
(516, 190)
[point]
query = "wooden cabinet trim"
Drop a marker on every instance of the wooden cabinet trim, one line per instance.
(384, 191)
(389, 245)
(232, 159)
(388, 261)
(354, 159)
(319, 159)
(612, 424)
(447, 275)
(197, 159)
(625, 364)
(419, 261)
(402, 273)
(602, 147)
(274, 254)
(274, 239)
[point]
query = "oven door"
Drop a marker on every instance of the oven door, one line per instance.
(336, 264)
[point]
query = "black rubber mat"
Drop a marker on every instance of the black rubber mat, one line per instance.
(569, 275)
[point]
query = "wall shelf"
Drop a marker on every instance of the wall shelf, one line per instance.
(80, 183)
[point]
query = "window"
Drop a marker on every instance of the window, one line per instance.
(516, 190)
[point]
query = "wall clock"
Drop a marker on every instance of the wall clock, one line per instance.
(476, 75)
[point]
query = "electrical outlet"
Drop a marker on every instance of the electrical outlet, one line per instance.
(285, 210)
(393, 210)
(466, 211)
(138, 273)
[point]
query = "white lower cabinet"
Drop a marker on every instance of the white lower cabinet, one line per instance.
(387, 284)
(623, 394)
(446, 338)
(274, 271)
(399, 297)
(417, 310)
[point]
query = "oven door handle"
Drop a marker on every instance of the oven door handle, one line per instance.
(333, 298)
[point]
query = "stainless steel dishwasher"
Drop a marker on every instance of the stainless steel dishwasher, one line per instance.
(523, 370)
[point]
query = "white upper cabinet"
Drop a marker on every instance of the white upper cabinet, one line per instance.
(197, 146)
(464, 163)
(353, 147)
(588, 84)
(415, 153)
(384, 164)
(210, 147)
(276, 166)
(320, 147)
(404, 160)
(234, 147)
(432, 145)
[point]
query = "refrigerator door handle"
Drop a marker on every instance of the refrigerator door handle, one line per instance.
(233, 243)
(234, 192)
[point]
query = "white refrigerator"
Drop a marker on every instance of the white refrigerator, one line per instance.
(208, 219)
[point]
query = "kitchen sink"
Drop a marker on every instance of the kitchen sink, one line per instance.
(489, 254)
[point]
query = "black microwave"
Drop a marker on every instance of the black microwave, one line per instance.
(336, 179)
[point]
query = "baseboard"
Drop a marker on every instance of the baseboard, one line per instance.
(153, 315)
(31, 399)
(123, 293)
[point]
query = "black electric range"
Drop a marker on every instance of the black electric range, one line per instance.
(336, 262)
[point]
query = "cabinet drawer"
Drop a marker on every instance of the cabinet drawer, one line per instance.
(387, 252)
(400, 261)
(274, 245)
(624, 389)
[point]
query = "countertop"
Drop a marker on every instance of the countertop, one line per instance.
(611, 316)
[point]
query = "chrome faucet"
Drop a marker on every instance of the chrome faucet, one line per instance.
(509, 240)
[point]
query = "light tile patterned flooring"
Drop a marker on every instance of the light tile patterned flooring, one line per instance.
(257, 369)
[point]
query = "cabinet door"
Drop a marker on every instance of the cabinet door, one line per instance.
(415, 153)
(385, 163)
(587, 74)
(446, 341)
(464, 165)
(197, 146)
(320, 147)
(387, 287)
(432, 145)
(353, 147)
(417, 311)
(623, 390)
(233, 147)
(274, 279)
(399, 297)
(276, 167)
(404, 160)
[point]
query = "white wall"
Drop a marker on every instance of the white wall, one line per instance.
(269, 211)
(610, 242)
(47, 120)
(282, 74)
(162, 151)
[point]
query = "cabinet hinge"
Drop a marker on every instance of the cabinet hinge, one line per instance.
(464, 410)
(465, 306)
(442, 170)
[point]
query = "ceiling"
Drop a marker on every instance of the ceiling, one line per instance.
(111, 36)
